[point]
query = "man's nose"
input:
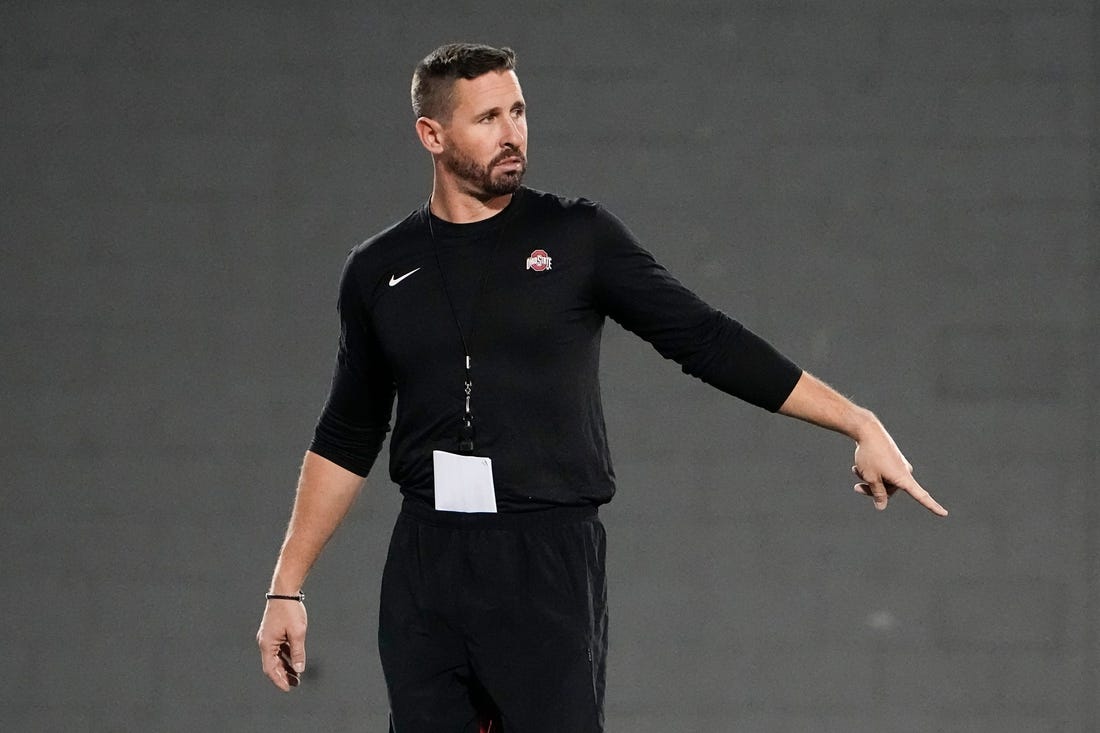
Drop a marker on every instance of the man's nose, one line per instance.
(512, 134)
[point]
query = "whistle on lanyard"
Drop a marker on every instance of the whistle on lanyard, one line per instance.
(466, 425)
(466, 433)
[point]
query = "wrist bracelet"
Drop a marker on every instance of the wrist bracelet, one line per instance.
(301, 597)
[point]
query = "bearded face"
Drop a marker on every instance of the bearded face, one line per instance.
(484, 141)
(499, 177)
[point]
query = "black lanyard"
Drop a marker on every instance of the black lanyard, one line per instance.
(466, 426)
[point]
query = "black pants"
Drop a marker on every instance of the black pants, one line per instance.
(495, 614)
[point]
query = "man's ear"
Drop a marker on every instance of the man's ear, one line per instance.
(430, 133)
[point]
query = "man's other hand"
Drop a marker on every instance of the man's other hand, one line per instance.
(282, 640)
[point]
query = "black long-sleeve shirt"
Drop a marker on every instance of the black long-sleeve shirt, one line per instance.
(531, 287)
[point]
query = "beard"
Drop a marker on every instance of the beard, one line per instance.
(484, 182)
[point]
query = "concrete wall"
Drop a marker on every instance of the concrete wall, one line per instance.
(903, 196)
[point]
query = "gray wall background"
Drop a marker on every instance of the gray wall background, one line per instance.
(903, 196)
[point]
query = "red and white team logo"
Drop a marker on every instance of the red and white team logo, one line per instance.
(538, 261)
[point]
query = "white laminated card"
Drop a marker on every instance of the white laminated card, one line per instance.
(463, 483)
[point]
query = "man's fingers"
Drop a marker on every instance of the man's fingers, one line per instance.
(872, 487)
(273, 666)
(917, 492)
(292, 675)
(865, 488)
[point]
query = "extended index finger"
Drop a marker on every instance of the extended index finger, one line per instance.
(918, 492)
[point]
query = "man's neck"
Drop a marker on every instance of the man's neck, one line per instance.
(459, 207)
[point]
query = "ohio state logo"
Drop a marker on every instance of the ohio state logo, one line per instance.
(538, 261)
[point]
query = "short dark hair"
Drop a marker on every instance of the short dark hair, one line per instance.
(435, 76)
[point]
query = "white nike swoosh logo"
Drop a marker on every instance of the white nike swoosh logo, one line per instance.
(395, 280)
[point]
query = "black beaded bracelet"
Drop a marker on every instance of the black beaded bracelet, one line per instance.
(301, 597)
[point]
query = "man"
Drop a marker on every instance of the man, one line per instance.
(482, 311)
